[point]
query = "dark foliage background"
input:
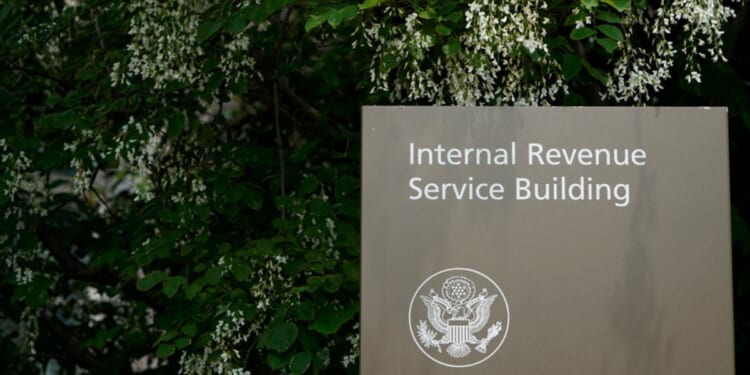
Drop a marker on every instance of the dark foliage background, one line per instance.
(212, 223)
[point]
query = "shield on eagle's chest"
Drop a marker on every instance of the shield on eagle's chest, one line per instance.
(458, 331)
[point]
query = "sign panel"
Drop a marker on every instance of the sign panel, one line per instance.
(546, 241)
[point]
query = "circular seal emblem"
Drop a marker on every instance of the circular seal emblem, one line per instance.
(459, 317)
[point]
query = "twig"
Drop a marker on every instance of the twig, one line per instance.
(279, 143)
(98, 31)
(306, 106)
(100, 198)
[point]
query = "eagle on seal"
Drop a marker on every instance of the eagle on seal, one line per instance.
(458, 317)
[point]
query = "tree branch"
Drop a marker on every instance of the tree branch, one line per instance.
(279, 142)
(304, 104)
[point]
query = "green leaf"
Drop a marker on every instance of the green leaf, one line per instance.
(329, 322)
(455, 17)
(165, 350)
(348, 12)
(314, 21)
(613, 32)
(590, 4)
(175, 125)
(427, 14)
(608, 44)
(281, 336)
(213, 276)
(596, 73)
(277, 361)
(305, 311)
(189, 329)
(608, 17)
(336, 16)
(367, 4)
(620, 5)
(214, 81)
(240, 270)
(172, 285)
(150, 280)
(182, 342)
(452, 47)
(300, 363)
(192, 290)
(272, 6)
(36, 294)
(309, 184)
(390, 61)
(166, 336)
(239, 87)
(332, 283)
(571, 65)
(5, 12)
(235, 24)
(207, 29)
(443, 30)
(59, 120)
(582, 33)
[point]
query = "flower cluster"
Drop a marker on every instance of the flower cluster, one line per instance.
(510, 35)
(270, 285)
(639, 72)
(353, 340)
(16, 164)
(702, 22)
(502, 55)
(136, 149)
(219, 356)
(19, 260)
(165, 45)
(317, 232)
(28, 330)
(489, 64)
(44, 38)
(19, 180)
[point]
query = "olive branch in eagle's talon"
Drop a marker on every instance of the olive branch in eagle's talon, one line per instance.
(427, 336)
(492, 332)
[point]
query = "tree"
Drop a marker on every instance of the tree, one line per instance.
(179, 179)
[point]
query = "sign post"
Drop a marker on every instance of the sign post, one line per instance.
(546, 241)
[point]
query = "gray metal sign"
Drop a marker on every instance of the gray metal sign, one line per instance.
(546, 241)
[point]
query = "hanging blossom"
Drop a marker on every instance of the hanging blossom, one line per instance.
(136, 147)
(47, 39)
(353, 339)
(501, 40)
(22, 187)
(28, 330)
(165, 45)
(639, 72)
(219, 356)
(270, 286)
(18, 259)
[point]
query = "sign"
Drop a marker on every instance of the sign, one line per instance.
(546, 241)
